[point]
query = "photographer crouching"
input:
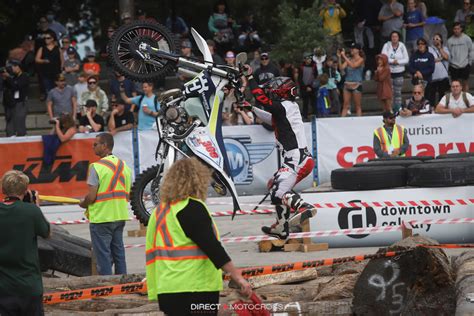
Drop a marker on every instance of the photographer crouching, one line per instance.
(15, 84)
(21, 286)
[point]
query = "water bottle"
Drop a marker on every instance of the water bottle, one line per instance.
(368, 75)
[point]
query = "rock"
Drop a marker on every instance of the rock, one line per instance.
(416, 282)
(340, 287)
(464, 268)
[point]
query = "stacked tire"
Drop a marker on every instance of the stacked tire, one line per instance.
(65, 253)
(386, 173)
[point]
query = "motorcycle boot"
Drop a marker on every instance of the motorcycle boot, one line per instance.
(280, 229)
(303, 210)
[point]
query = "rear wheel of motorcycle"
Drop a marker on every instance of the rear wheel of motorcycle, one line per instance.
(145, 195)
(126, 40)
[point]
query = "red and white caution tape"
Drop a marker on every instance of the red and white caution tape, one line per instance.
(335, 232)
(462, 202)
(421, 203)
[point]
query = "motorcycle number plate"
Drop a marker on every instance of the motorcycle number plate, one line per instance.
(206, 148)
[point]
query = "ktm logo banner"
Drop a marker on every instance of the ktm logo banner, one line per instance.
(67, 176)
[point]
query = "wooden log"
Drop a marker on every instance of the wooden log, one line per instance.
(270, 245)
(417, 282)
(464, 269)
(283, 278)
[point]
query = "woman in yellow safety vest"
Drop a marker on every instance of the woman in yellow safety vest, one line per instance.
(184, 256)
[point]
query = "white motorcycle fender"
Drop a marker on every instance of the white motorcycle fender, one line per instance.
(204, 145)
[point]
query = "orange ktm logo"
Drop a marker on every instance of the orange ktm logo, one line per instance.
(67, 176)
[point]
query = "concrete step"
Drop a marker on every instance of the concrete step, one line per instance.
(34, 106)
(33, 121)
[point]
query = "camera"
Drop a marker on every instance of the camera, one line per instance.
(53, 121)
(7, 69)
(30, 196)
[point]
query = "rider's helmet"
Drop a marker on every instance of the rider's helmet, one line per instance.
(280, 88)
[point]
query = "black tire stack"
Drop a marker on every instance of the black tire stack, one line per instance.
(445, 170)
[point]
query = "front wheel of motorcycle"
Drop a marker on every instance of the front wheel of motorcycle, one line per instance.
(123, 50)
(145, 193)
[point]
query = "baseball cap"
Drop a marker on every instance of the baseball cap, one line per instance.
(389, 114)
(119, 101)
(230, 54)
(60, 77)
(356, 46)
(264, 55)
(90, 54)
(71, 51)
(307, 55)
(90, 103)
(186, 44)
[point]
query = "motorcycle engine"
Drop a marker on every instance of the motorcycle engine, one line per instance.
(177, 118)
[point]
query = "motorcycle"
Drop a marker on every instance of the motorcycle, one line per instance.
(190, 119)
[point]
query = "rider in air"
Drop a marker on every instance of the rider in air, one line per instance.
(277, 97)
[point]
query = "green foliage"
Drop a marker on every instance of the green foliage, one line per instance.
(300, 31)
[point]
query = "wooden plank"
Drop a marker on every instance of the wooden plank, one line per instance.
(141, 232)
(305, 227)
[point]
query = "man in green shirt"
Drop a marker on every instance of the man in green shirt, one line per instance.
(21, 286)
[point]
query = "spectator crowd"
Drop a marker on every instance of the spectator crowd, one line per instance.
(392, 44)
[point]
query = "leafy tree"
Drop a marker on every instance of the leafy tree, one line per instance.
(300, 31)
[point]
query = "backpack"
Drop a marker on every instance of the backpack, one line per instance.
(464, 98)
(155, 101)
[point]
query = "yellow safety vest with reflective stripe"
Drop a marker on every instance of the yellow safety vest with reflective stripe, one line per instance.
(111, 203)
(174, 263)
(396, 141)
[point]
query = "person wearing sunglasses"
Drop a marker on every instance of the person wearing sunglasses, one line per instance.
(267, 69)
(49, 60)
(94, 92)
(440, 80)
(422, 65)
(391, 139)
(416, 104)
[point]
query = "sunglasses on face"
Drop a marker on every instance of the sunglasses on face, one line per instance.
(48, 37)
(92, 82)
(263, 58)
(416, 92)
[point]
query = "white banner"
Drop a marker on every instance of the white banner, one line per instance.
(365, 217)
(342, 142)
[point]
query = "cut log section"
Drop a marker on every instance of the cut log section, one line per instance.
(417, 282)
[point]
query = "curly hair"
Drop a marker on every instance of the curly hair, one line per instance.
(186, 178)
